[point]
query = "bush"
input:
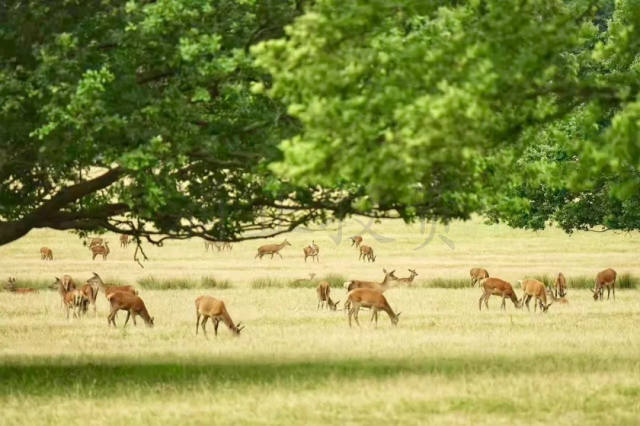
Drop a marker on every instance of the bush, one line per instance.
(211, 282)
(447, 283)
(267, 282)
(151, 282)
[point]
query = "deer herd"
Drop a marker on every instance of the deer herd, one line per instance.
(76, 299)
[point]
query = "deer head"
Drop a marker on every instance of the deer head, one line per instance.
(286, 243)
(395, 319)
(333, 306)
(413, 272)
(238, 329)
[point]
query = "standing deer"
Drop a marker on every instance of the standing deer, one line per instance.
(46, 253)
(381, 286)
(477, 274)
(356, 240)
(11, 286)
(121, 301)
(534, 288)
(366, 253)
(497, 287)
(210, 307)
(227, 246)
(323, 290)
(72, 299)
(408, 280)
(560, 285)
(606, 278)
(272, 249)
(124, 240)
(210, 245)
(96, 282)
(96, 241)
(312, 251)
(102, 250)
(364, 297)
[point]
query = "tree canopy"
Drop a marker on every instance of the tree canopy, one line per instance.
(234, 119)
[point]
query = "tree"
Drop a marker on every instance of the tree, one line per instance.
(429, 105)
(137, 117)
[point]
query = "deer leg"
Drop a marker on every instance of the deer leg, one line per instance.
(480, 302)
(613, 287)
(355, 316)
(133, 316)
(349, 313)
(278, 253)
(197, 322)
(216, 322)
(503, 306)
(204, 330)
(126, 320)
(608, 292)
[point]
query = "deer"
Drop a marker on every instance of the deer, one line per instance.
(96, 241)
(409, 280)
(560, 285)
(366, 253)
(134, 305)
(272, 249)
(477, 274)
(210, 307)
(365, 297)
(124, 240)
(100, 249)
(312, 251)
(534, 288)
(497, 287)
(11, 286)
(46, 253)
(356, 240)
(606, 278)
(72, 299)
(381, 286)
(226, 246)
(323, 290)
(210, 245)
(96, 282)
(562, 300)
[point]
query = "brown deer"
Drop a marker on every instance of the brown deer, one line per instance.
(46, 253)
(323, 290)
(477, 274)
(102, 250)
(561, 300)
(381, 286)
(364, 297)
(606, 278)
(560, 285)
(96, 241)
(210, 307)
(72, 299)
(497, 287)
(226, 246)
(312, 251)
(121, 301)
(356, 240)
(210, 245)
(11, 286)
(408, 280)
(366, 253)
(534, 288)
(96, 282)
(124, 240)
(272, 249)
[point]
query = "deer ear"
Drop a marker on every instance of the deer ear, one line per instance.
(398, 314)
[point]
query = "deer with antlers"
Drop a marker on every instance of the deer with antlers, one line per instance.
(366, 254)
(408, 280)
(272, 249)
(365, 297)
(477, 274)
(606, 278)
(323, 291)
(134, 305)
(312, 251)
(46, 253)
(497, 287)
(11, 286)
(210, 307)
(534, 288)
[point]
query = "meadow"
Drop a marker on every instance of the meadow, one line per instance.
(445, 362)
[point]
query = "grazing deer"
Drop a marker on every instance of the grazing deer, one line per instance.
(356, 240)
(364, 297)
(11, 286)
(381, 286)
(477, 274)
(560, 285)
(312, 251)
(606, 278)
(409, 280)
(323, 290)
(272, 249)
(72, 299)
(366, 253)
(534, 288)
(210, 307)
(121, 301)
(103, 250)
(46, 253)
(497, 287)
(124, 240)
(96, 282)
(562, 300)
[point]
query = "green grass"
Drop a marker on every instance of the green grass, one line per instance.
(182, 283)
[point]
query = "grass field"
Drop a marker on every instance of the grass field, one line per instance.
(445, 363)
